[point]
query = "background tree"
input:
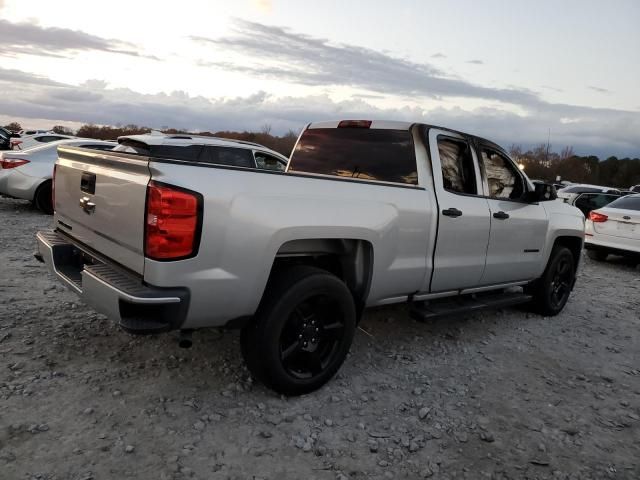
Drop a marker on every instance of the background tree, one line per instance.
(13, 127)
(62, 130)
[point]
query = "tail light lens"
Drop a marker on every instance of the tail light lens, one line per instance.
(598, 217)
(7, 163)
(173, 222)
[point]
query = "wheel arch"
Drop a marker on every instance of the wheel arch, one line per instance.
(351, 260)
(574, 244)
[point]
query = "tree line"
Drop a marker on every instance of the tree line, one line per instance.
(544, 164)
(281, 144)
(540, 162)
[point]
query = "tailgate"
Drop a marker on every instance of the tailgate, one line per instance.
(100, 201)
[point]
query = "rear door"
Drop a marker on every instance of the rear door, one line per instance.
(100, 201)
(463, 214)
(518, 229)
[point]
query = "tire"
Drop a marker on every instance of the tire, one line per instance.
(302, 331)
(597, 255)
(551, 291)
(42, 199)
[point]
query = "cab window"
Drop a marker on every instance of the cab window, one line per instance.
(456, 161)
(269, 162)
(503, 179)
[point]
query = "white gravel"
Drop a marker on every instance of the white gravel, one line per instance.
(503, 394)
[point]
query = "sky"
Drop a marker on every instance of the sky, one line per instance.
(514, 71)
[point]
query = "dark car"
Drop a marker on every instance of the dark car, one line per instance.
(5, 138)
(585, 202)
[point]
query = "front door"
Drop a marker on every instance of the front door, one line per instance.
(518, 229)
(463, 214)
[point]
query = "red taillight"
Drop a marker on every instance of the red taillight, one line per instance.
(173, 221)
(16, 143)
(355, 124)
(7, 163)
(598, 217)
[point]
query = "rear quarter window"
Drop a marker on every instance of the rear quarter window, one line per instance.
(626, 203)
(359, 153)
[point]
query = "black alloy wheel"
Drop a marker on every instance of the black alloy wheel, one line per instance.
(302, 331)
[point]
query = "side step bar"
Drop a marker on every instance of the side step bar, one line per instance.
(467, 304)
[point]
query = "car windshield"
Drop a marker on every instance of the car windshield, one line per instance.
(626, 203)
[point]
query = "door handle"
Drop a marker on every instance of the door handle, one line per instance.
(452, 212)
(501, 215)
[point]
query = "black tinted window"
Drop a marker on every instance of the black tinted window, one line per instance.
(626, 203)
(235, 157)
(592, 201)
(368, 154)
(177, 152)
(581, 190)
(456, 162)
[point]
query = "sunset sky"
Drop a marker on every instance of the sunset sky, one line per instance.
(507, 70)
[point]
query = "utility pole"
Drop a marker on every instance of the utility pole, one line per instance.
(546, 159)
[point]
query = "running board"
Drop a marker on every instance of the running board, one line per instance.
(466, 304)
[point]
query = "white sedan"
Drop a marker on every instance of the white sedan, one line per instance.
(28, 174)
(614, 229)
(30, 141)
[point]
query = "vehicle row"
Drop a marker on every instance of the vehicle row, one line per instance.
(27, 174)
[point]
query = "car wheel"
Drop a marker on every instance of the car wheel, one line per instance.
(42, 199)
(302, 331)
(552, 290)
(597, 255)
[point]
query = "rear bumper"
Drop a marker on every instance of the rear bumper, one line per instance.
(612, 244)
(119, 294)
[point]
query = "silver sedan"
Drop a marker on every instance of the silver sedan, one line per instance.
(27, 174)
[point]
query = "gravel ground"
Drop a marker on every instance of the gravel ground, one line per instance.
(503, 394)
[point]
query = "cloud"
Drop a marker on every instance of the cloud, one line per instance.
(599, 89)
(590, 131)
(31, 39)
(20, 77)
(438, 55)
(276, 52)
(553, 89)
(476, 62)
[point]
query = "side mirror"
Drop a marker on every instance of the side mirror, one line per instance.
(543, 192)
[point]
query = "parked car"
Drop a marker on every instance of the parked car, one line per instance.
(635, 189)
(586, 202)
(614, 229)
(27, 133)
(208, 150)
(567, 194)
(25, 143)
(27, 174)
(6, 137)
(161, 236)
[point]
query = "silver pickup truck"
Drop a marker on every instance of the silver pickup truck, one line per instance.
(367, 213)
